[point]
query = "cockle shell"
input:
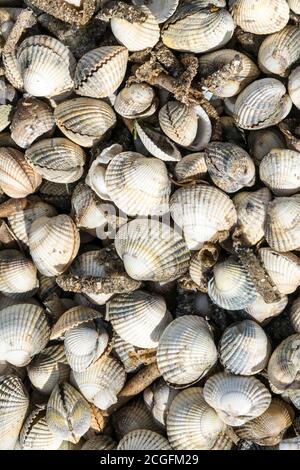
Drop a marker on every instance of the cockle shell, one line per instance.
(72, 318)
(260, 311)
(87, 207)
(53, 243)
(158, 398)
(261, 142)
(5, 115)
(58, 160)
(101, 71)
(24, 332)
(284, 365)
(294, 86)
(151, 250)
(35, 434)
(191, 423)
(179, 122)
(133, 416)
(143, 439)
(85, 121)
(57, 194)
(14, 403)
(204, 130)
(280, 171)
(295, 315)
(156, 143)
(18, 278)
(17, 177)
(192, 166)
(201, 211)
(186, 350)
(99, 442)
(236, 399)
(294, 6)
(283, 269)
(160, 9)
(126, 353)
(136, 100)
(262, 104)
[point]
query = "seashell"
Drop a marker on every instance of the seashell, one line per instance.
(268, 428)
(229, 166)
(260, 17)
(136, 100)
(191, 423)
(156, 143)
(57, 194)
(32, 119)
(24, 332)
(293, 86)
(231, 286)
(261, 142)
(67, 445)
(236, 399)
(192, 209)
(284, 365)
(226, 72)
(58, 160)
(68, 415)
(139, 318)
(143, 439)
(260, 311)
(101, 71)
(295, 315)
(283, 269)
(133, 416)
(53, 243)
(192, 166)
(136, 36)
(72, 318)
(96, 179)
(17, 178)
(251, 211)
(48, 368)
(14, 403)
(35, 434)
(244, 348)
(280, 171)
(158, 398)
(126, 353)
(101, 382)
(138, 185)
(160, 9)
(290, 444)
(186, 351)
(85, 121)
(87, 207)
(151, 251)
(179, 122)
(278, 52)
(204, 130)
(18, 275)
(99, 442)
(262, 104)
(282, 223)
(5, 116)
(294, 6)
(194, 28)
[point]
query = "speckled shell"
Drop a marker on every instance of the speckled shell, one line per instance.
(283, 268)
(101, 71)
(87, 207)
(143, 439)
(294, 6)
(84, 120)
(179, 122)
(260, 311)
(160, 9)
(294, 86)
(17, 177)
(295, 315)
(72, 318)
(151, 250)
(24, 332)
(192, 166)
(136, 100)
(261, 142)
(284, 365)
(18, 278)
(156, 143)
(186, 350)
(35, 434)
(99, 442)
(133, 416)
(280, 171)
(158, 398)
(53, 244)
(283, 223)
(58, 160)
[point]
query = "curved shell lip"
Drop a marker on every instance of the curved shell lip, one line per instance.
(152, 138)
(66, 322)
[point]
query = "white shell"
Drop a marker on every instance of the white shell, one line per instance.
(158, 398)
(295, 315)
(35, 434)
(18, 275)
(283, 268)
(160, 9)
(179, 122)
(294, 86)
(283, 223)
(260, 311)
(280, 171)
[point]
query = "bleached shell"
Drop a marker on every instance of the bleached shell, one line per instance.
(136, 100)
(160, 9)
(36, 435)
(191, 423)
(260, 311)
(262, 104)
(251, 211)
(133, 416)
(186, 350)
(85, 121)
(236, 399)
(87, 207)
(5, 115)
(156, 143)
(138, 185)
(283, 268)
(73, 317)
(14, 403)
(294, 6)
(24, 332)
(244, 348)
(229, 166)
(101, 382)
(294, 86)
(179, 122)
(263, 141)
(139, 317)
(284, 365)
(96, 179)
(53, 244)
(17, 177)
(48, 368)
(260, 16)
(136, 36)
(158, 398)
(143, 439)
(201, 211)
(280, 171)
(58, 160)
(204, 130)
(192, 166)
(283, 223)
(231, 287)
(68, 414)
(18, 278)
(101, 71)
(151, 251)
(295, 315)
(99, 442)
(124, 352)
(46, 65)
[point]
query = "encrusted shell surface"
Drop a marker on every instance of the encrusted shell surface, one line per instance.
(283, 268)
(295, 315)
(179, 122)
(143, 439)
(35, 434)
(260, 311)
(282, 228)
(284, 365)
(280, 171)
(18, 275)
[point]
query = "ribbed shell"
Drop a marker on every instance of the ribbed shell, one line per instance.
(135, 101)
(262, 104)
(5, 115)
(14, 403)
(186, 350)
(151, 251)
(156, 143)
(87, 207)
(123, 351)
(57, 194)
(263, 141)
(73, 317)
(99, 442)
(160, 9)
(294, 6)
(260, 311)
(24, 332)
(138, 185)
(294, 86)
(284, 365)
(35, 434)
(204, 130)
(101, 71)
(280, 171)
(295, 315)
(283, 268)
(158, 398)
(58, 160)
(142, 439)
(236, 399)
(17, 177)
(18, 278)
(282, 230)
(133, 416)
(191, 423)
(53, 244)
(192, 166)
(84, 120)
(201, 211)
(179, 122)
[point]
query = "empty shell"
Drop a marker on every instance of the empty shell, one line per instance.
(136, 100)
(35, 434)
(260, 311)
(158, 398)
(284, 365)
(179, 122)
(295, 315)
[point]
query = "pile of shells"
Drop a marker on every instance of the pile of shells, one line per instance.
(150, 225)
